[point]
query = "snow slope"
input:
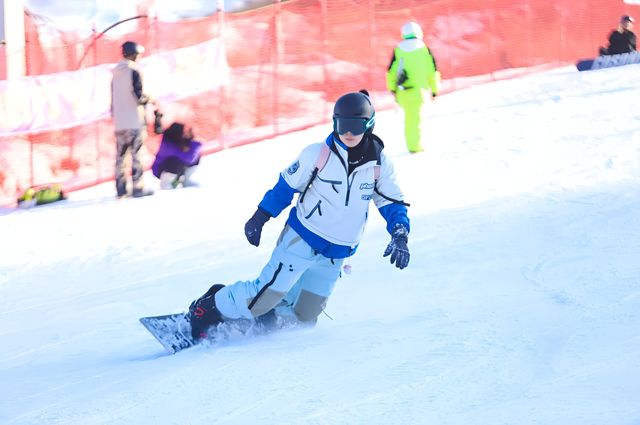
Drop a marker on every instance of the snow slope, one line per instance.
(521, 304)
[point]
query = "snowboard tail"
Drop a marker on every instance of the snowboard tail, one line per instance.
(173, 331)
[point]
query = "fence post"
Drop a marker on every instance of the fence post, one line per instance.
(372, 44)
(449, 55)
(31, 162)
(223, 88)
(12, 36)
(492, 28)
(325, 42)
(96, 125)
(276, 65)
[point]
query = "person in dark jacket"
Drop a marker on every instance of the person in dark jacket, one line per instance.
(622, 39)
(177, 158)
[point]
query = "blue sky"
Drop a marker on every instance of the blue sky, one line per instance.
(80, 15)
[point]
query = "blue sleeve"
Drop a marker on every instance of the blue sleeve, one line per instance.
(278, 198)
(395, 214)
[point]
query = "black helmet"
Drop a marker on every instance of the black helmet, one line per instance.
(131, 48)
(354, 113)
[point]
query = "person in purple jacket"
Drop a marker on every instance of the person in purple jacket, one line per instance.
(177, 158)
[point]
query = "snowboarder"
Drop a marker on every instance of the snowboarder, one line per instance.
(335, 181)
(622, 39)
(413, 79)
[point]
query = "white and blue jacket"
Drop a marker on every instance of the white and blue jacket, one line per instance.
(332, 209)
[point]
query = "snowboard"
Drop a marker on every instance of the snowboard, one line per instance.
(173, 331)
(608, 61)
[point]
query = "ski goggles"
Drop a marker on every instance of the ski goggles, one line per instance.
(355, 126)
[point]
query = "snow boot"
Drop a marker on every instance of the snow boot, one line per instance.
(169, 180)
(188, 181)
(139, 193)
(268, 322)
(203, 314)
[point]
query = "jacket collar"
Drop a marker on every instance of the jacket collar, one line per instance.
(372, 152)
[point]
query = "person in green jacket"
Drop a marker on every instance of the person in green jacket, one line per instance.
(413, 78)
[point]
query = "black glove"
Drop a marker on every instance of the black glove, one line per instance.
(253, 227)
(157, 121)
(398, 247)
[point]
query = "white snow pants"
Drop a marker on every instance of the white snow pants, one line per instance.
(295, 274)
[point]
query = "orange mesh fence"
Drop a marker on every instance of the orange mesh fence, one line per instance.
(287, 64)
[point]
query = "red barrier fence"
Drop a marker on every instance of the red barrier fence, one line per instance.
(287, 64)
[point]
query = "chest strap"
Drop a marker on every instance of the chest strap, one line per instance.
(321, 162)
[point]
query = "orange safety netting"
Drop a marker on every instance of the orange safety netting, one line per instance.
(290, 61)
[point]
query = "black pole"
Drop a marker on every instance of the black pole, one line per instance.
(97, 37)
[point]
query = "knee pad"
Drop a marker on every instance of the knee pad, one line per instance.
(309, 306)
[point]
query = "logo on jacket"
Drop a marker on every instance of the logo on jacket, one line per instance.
(366, 186)
(293, 168)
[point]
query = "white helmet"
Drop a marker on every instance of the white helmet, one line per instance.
(412, 30)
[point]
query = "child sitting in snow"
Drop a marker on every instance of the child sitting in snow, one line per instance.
(178, 157)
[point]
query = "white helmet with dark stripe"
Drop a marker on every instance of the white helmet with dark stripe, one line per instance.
(412, 30)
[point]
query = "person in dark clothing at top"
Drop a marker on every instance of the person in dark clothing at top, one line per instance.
(622, 39)
(177, 158)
